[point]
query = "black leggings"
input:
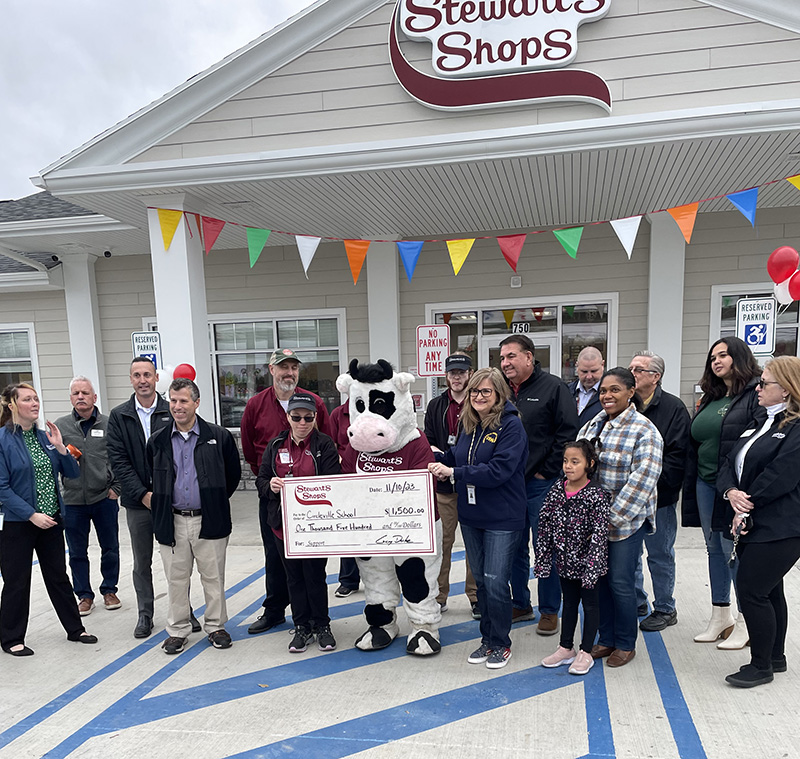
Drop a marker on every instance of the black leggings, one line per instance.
(574, 594)
(759, 587)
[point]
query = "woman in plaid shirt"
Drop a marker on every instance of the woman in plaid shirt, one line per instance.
(630, 450)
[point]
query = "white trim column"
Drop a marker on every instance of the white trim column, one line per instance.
(180, 295)
(383, 302)
(83, 321)
(665, 297)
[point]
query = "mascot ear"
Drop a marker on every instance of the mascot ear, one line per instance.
(403, 380)
(343, 382)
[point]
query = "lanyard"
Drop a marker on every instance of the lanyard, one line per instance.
(471, 455)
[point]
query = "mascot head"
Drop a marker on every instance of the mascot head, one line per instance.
(382, 417)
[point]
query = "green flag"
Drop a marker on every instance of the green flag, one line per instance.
(570, 239)
(256, 240)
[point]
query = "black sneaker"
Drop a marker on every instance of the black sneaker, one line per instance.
(325, 639)
(476, 610)
(173, 645)
(302, 637)
(659, 620)
(343, 592)
(220, 639)
(641, 609)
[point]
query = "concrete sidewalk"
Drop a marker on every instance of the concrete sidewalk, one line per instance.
(126, 698)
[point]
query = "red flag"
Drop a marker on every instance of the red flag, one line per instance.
(211, 229)
(511, 247)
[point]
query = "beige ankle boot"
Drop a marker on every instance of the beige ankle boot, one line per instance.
(720, 625)
(739, 638)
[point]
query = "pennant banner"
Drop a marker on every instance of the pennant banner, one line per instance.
(307, 248)
(211, 230)
(508, 315)
(745, 201)
(570, 239)
(511, 247)
(626, 230)
(256, 240)
(795, 180)
(356, 254)
(409, 255)
(538, 313)
(169, 221)
(459, 250)
(685, 217)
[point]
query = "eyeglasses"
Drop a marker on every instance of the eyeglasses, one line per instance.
(639, 370)
(763, 383)
(484, 392)
(309, 418)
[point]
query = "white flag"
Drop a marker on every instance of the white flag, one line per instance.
(307, 247)
(626, 230)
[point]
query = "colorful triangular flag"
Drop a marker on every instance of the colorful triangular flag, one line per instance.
(508, 315)
(356, 254)
(256, 240)
(626, 230)
(211, 229)
(795, 180)
(307, 248)
(511, 247)
(685, 217)
(459, 250)
(570, 239)
(745, 201)
(409, 255)
(169, 221)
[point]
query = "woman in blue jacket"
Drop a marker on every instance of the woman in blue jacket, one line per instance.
(30, 503)
(487, 465)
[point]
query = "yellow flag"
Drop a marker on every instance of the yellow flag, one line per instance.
(169, 221)
(459, 250)
(508, 315)
(795, 180)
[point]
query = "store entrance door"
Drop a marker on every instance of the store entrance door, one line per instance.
(546, 352)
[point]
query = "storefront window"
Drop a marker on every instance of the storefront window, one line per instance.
(16, 364)
(787, 324)
(581, 326)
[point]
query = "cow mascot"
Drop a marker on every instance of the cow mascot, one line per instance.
(383, 437)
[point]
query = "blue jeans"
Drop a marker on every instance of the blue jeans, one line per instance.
(718, 547)
(619, 624)
(660, 560)
(77, 520)
(549, 587)
(491, 553)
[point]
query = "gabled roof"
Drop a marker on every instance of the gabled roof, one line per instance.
(40, 205)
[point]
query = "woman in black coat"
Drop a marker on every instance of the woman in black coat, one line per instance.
(726, 408)
(760, 481)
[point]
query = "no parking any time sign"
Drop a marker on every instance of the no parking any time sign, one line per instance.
(433, 347)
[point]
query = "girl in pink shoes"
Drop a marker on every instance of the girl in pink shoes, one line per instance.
(573, 526)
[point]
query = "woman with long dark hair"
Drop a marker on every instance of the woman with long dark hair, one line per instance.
(630, 450)
(31, 505)
(726, 408)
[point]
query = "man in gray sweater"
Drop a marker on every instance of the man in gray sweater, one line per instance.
(90, 498)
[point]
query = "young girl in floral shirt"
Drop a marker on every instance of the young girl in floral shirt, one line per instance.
(573, 528)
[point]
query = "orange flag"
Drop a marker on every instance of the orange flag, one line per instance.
(169, 221)
(685, 217)
(356, 254)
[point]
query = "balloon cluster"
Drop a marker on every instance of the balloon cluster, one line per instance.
(782, 268)
(168, 373)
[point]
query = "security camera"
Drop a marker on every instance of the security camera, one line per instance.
(107, 253)
(54, 257)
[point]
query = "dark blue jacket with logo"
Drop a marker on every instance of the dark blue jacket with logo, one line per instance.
(496, 469)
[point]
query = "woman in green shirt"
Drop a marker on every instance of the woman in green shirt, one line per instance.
(726, 408)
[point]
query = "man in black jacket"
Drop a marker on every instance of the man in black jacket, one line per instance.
(129, 426)
(589, 367)
(550, 417)
(196, 469)
(672, 420)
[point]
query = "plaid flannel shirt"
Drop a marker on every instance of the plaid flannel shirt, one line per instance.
(630, 454)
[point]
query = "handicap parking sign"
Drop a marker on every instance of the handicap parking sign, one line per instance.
(755, 324)
(755, 335)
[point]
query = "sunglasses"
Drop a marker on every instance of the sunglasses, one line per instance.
(309, 418)
(763, 383)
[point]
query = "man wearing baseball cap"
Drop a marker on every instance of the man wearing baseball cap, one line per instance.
(263, 419)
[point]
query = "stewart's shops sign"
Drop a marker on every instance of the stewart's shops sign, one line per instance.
(490, 53)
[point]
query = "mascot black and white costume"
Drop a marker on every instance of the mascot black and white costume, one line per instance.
(383, 437)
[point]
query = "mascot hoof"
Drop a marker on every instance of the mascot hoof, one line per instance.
(422, 643)
(374, 639)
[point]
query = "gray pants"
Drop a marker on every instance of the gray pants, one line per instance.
(140, 526)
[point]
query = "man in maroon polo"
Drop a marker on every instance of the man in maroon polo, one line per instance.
(264, 417)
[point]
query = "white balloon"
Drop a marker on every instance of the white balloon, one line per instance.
(164, 379)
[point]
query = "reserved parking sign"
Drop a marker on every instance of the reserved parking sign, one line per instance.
(755, 324)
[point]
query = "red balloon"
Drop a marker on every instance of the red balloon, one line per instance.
(184, 371)
(794, 286)
(782, 263)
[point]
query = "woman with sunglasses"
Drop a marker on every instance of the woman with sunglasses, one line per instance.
(760, 481)
(300, 451)
(726, 408)
(487, 466)
(630, 451)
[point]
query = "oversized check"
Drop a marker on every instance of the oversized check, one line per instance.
(359, 515)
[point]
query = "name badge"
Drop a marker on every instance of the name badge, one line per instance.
(97, 433)
(747, 433)
(283, 457)
(471, 500)
(451, 440)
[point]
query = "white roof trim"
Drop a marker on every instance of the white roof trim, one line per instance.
(781, 13)
(70, 224)
(32, 281)
(593, 134)
(21, 259)
(205, 91)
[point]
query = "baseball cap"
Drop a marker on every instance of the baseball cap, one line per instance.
(457, 362)
(283, 354)
(302, 400)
